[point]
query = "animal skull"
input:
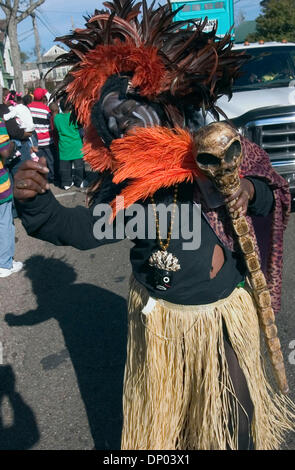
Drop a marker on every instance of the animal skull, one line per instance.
(219, 155)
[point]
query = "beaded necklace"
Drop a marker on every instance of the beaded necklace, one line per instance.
(163, 262)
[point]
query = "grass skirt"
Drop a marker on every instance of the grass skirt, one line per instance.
(177, 390)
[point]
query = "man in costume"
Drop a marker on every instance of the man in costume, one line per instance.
(193, 376)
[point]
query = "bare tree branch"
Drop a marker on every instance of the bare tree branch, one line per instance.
(29, 10)
(15, 7)
(13, 18)
(6, 7)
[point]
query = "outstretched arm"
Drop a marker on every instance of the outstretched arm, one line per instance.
(10, 115)
(45, 218)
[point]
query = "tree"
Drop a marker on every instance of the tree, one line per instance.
(14, 16)
(240, 18)
(24, 57)
(277, 21)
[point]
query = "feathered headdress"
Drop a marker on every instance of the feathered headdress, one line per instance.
(170, 63)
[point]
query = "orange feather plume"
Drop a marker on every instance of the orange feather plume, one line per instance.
(152, 158)
(102, 62)
(95, 153)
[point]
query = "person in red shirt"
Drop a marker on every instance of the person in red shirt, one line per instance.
(43, 126)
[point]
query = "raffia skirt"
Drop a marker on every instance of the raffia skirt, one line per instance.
(178, 393)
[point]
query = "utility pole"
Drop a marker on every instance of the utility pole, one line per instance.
(73, 24)
(38, 49)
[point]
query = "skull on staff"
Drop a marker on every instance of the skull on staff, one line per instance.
(219, 155)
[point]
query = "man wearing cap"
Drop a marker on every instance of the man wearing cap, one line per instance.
(41, 118)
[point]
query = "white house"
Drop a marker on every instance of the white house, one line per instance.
(31, 72)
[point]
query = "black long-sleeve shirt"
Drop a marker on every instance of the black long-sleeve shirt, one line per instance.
(46, 219)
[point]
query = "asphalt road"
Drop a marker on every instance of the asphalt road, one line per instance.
(63, 336)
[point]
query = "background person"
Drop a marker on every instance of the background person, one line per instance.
(15, 132)
(54, 109)
(27, 99)
(42, 121)
(71, 164)
(22, 114)
(7, 231)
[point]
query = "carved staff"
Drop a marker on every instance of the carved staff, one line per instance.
(219, 157)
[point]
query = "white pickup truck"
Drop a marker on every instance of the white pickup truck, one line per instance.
(263, 103)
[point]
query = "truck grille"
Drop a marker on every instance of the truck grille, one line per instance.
(276, 135)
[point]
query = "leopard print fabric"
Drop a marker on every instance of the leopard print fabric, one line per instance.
(256, 163)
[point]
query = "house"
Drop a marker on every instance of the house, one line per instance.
(31, 74)
(6, 67)
(48, 60)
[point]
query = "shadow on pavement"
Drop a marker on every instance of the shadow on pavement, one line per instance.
(23, 433)
(94, 324)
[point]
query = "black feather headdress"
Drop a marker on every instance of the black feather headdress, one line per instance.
(170, 62)
(166, 64)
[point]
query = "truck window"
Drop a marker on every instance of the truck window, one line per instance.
(267, 68)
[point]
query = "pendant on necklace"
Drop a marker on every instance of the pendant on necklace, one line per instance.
(164, 265)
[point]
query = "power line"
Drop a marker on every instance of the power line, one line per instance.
(46, 25)
(44, 15)
(25, 32)
(26, 37)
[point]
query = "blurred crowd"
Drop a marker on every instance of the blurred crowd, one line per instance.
(41, 127)
(33, 126)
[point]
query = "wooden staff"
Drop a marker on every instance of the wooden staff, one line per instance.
(262, 296)
(224, 173)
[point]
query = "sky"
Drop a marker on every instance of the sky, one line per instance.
(57, 17)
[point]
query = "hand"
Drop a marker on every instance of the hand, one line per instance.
(30, 179)
(239, 201)
(5, 154)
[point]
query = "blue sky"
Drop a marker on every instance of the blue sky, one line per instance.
(250, 8)
(59, 15)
